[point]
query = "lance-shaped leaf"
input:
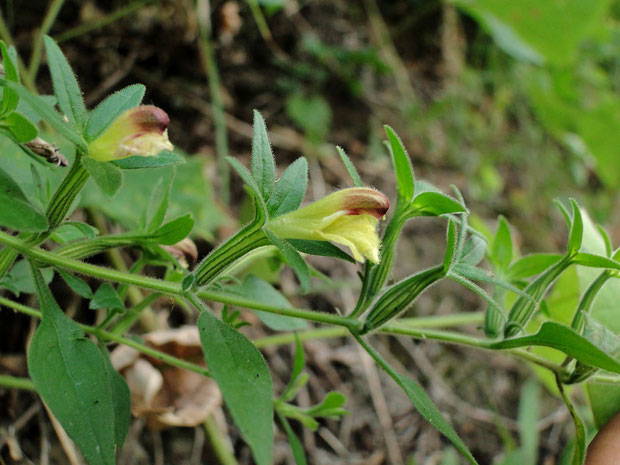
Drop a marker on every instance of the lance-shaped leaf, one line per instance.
(263, 166)
(10, 99)
(66, 87)
(245, 382)
(70, 374)
(402, 165)
(16, 211)
(422, 402)
(564, 339)
(41, 106)
(108, 177)
(348, 164)
(290, 189)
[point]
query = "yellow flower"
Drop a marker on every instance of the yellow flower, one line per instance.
(348, 217)
(139, 131)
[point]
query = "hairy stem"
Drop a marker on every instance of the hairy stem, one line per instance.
(108, 336)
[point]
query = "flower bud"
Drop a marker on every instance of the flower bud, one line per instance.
(348, 217)
(185, 251)
(139, 131)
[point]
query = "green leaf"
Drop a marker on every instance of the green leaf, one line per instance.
(435, 204)
(37, 183)
(73, 231)
(261, 291)
(311, 113)
(503, 34)
(601, 336)
(244, 379)
(121, 398)
(575, 236)
(348, 164)
(107, 298)
(111, 108)
(501, 246)
(16, 211)
(290, 189)
(66, 88)
(69, 373)
(473, 251)
(321, 248)
(450, 245)
(163, 158)
(331, 406)
(598, 126)
(250, 182)
(299, 363)
(108, 177)
(533, 31)
(532, 265)
(175, 230)
(190, 193)
(297, 447)
(528, 419)
(604, 400)
(187, 282)
(579, 449)
(402, 166)
(20, 278)
(423, 403)
(293, 258)
(21, 127)
(478, 274)
(564, 339)
(77, 284)
(595, 261)
(41, 106)
(159, 196)
(263, 166)
(10, 99)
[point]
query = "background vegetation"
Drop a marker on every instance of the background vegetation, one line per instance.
(515, 102)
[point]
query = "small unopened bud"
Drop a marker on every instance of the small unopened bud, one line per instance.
(139, 131)
(185, 251)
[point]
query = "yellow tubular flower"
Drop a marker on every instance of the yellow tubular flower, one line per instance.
(348, 217)
(139, 131)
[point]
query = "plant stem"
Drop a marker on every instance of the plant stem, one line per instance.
(327, 333)
(5, 35)
(88, 269)
(605, 379)
(56, 211)
(102, 21)
(217, 106)
(310, 315)
(220, 447)
(37, 50)
(108, 336)
(146, 316)
(133, 314)
(463, 339)
(65, 194)
(12, 382)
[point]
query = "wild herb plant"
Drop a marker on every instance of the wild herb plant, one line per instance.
(69, 363)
